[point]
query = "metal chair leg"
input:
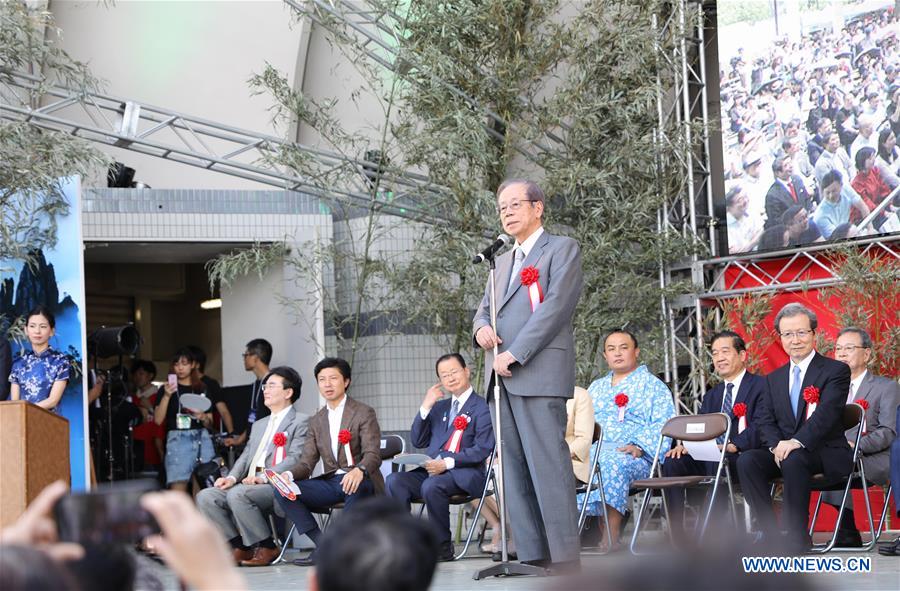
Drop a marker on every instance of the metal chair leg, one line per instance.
(284, 544)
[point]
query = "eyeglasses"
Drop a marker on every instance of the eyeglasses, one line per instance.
(246, 354)
(449, 374)
(848, 348)
(271, 386)
(802, 334)
(513, 206)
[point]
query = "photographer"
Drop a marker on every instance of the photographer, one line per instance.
(187, 440)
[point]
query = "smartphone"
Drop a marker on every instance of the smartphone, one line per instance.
(110, 515)
(173, 380)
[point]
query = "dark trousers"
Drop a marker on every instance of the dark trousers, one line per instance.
(757, 469)
(688, 466)
(895, 466)
(320, 493)
(434, 490)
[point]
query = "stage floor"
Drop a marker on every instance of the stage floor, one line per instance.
(455, 576)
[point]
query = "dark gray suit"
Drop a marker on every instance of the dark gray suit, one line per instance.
(243, 509)
(540, 483)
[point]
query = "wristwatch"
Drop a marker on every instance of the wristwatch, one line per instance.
(362, 469)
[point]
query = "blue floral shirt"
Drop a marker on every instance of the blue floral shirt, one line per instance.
(649, 406)
(36, 373)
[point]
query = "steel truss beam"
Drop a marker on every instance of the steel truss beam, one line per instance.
(186, 139)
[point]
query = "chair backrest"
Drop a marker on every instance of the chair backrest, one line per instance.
(597, 432)
(391, 445)
(852, 416)
(696, 427)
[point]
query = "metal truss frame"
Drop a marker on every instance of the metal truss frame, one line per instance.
(202, 143)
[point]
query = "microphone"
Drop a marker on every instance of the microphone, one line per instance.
(490, 251)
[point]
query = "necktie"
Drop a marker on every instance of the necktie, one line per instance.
(852, 394)
(793, 191)
(261, 450)
(726, 408)
(454, 410)
(795, 390)
(517, 266)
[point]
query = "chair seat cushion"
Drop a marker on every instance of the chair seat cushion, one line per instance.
(669, 482)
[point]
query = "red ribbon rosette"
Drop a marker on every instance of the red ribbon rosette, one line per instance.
(455, 441)
(621, 401)
(811, 396)
(865, 406)
(740, 411)
(344, 437)
(279, 440)
(529, 277)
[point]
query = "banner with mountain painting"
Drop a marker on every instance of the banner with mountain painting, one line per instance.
(54, 277)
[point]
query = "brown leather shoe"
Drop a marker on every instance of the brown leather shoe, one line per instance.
(262, 557)
(239, 555)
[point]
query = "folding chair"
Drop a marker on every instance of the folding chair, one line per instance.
(391, 445)
(462, 499)
(706, 427)
(597, 442)
(852, 417)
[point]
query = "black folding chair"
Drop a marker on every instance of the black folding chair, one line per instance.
(852, 417)
(705, 427)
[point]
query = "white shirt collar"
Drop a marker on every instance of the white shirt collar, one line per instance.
(856, 383)
(340, 407)
(804, 363)
(737, 383)
(530, 241)
(463, 398)
(278, 416)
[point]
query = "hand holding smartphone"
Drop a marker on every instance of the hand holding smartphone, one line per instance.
(110, 515)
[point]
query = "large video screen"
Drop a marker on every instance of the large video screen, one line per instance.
(810, 103)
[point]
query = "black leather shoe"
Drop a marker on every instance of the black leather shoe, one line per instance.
(308, 561)
(890, 549)
(848, 538)
(498, 556)
(446, 553)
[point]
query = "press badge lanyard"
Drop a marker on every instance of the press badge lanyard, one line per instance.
(255, 389)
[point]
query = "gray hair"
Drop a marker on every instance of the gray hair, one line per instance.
(795, 309)
(863, 335)
(532, 190)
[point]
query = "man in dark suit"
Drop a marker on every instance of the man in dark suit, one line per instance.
(738, 387)
(798, 439)
(454, 469)
(538, 286)
(787, 190)
(880, 397)
(892, 548)
(343, 479)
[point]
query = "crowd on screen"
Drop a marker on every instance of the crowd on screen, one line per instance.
(799, 109)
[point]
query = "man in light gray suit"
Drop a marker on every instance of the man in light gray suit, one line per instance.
(538, 285)
(239, 503)
(880, 397)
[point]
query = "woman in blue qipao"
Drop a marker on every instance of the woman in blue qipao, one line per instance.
(631, 405)
(41, 374)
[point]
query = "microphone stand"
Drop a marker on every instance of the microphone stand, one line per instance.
(504, 567)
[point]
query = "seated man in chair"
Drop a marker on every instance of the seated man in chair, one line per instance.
(735, 396)
(458, 434)
(239, 503)
(345, 435)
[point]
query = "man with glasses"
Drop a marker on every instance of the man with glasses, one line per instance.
(256, 359)
(457, 467)
(881, 396)
(538, 286)
(239, 504)
(798, 420)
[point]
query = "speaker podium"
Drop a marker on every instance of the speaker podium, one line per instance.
(34, 451)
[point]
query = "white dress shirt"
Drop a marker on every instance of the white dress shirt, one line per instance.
(334, 427)
(268, 436)
(734, 390)
(530, 242)
(855, 383)
(803, 365)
